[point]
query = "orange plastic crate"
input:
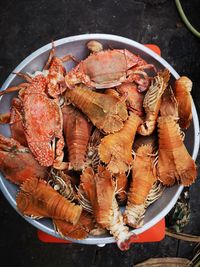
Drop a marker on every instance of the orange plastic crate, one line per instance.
(155, 234)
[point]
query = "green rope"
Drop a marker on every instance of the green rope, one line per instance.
(185, 20)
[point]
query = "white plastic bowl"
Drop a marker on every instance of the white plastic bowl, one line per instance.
(76, 45)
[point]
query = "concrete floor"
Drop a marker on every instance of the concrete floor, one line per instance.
(27, 25)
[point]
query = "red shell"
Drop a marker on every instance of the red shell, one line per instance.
(17, 162)
(77, 131)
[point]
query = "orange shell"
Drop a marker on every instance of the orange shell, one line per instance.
(87, 183)
(105, 111)
(169, 104)
(134, 99)
(4, 118)
(17, 162)
(105, 193)
(103, 69)
(121, 181)
(38, 199)
(152, 102)
(77, 131)
(78, 231)
(143, 175)
(116, 149)
(42, 127)
(101, 191)
(182, 89)
(16, 126)
(174, 161)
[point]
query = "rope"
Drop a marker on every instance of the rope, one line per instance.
(185, 20)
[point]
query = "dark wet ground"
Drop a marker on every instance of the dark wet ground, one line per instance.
(27, 25)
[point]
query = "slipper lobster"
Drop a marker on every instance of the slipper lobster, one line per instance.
(77, 131)
(143, 179)
(152, 102)
(17, 162)
(180, 166)
(182, 89)
(79, 231)
(62, 183)
(38, 199)
(107, 112)
(116, 149)
(100, 189)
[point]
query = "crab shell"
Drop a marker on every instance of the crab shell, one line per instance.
(42, 122)
(14, 119)
(16, 123)
(103, 69)
(17, 162)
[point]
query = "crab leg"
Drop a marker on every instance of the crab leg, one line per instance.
(5, 118)
(14, 89)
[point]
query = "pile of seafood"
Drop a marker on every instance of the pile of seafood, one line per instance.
(106, 134)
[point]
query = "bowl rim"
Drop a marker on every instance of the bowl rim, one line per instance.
(108, 37)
